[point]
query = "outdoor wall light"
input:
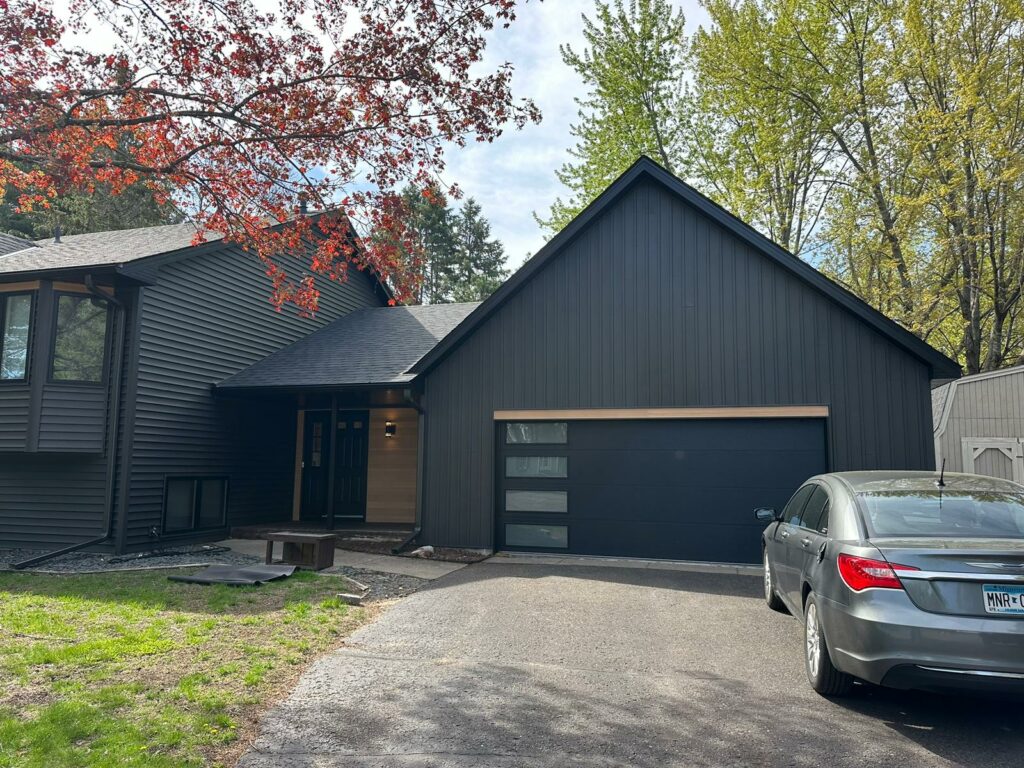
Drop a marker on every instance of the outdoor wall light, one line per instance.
(389, 429)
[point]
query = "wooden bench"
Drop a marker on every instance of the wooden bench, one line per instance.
(306, 550)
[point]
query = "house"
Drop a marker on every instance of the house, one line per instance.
(650, 376)
(110, 427)
(979, 424)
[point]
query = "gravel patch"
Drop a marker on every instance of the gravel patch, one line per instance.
(84, 562)
(383, 586)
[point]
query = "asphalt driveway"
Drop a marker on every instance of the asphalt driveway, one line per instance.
(530, 665)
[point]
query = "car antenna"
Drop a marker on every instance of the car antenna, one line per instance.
(942, 475)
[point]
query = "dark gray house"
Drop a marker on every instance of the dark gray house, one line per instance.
(650, 376)
(110, 344)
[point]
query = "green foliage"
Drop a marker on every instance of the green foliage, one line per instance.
(77, 213)
(632, 67)
(461, 259)
(883, 141)
(130, 669)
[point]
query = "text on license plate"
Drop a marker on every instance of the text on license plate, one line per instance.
(1003, 598)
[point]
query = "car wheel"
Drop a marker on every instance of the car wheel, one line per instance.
(770, 595)
(822, 675)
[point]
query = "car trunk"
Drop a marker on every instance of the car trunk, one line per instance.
(962, 577)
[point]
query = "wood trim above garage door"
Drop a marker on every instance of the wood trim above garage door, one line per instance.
(746, 412)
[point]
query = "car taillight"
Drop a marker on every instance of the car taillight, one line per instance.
(860, 573)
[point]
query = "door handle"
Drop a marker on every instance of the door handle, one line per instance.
(805, 541)
(784, 535)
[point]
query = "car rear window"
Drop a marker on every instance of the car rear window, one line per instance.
(944, 514)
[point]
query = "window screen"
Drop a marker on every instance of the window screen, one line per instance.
(15, 317)
(80, 339)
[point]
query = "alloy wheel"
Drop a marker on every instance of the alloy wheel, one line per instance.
(813, 640)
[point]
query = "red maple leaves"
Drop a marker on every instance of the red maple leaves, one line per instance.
(237, 112)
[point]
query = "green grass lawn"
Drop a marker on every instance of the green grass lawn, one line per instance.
(130, 669)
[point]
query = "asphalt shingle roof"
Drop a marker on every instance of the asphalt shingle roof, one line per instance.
(98, 248)
(11, 243)
(369, 346)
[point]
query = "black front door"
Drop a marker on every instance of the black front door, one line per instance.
(316, 455)
(350, 459)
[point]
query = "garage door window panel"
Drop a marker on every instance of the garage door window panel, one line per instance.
(537, 536)
(536, 433)
(540, 467)
(536, 501)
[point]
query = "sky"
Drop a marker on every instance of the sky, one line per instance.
(515, 175)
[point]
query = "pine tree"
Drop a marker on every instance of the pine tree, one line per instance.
(480, 259)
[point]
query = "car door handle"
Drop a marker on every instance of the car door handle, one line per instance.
(805, 541)
(783, 534)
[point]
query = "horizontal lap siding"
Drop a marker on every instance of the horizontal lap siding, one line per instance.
(655, 306)
(14, 407)
(73, 419)
(48, 501)
(206, 318)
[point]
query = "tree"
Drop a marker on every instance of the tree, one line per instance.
(479, 258)
(632, 66)
(767, 159)
(239, 111)
(451, 252)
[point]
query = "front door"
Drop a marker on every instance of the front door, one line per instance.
(316, 455)
(351, 448)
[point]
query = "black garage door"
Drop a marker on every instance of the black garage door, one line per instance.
(681, 489)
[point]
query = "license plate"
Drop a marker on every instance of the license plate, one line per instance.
(1003, 599)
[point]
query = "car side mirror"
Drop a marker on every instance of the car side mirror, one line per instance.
(767, 514)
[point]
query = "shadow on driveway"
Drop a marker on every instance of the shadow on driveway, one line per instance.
(527, 665)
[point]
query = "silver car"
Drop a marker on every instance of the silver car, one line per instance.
(903, 579)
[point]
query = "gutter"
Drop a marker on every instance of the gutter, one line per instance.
(115, 414)
(420, 456)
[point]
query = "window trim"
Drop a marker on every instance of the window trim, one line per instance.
(197, 494)
(33, 297)
(104, 365)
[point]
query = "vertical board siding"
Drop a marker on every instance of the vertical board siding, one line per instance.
(391, 467)
(654, 305)
(207, 318)
(983, 407)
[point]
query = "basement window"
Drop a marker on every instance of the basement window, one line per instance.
(15, 322)
(195, 503)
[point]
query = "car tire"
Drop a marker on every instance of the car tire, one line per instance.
(771, 597)
(821, 673)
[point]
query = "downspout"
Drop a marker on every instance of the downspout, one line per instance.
(420, 457)
(115, 413)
